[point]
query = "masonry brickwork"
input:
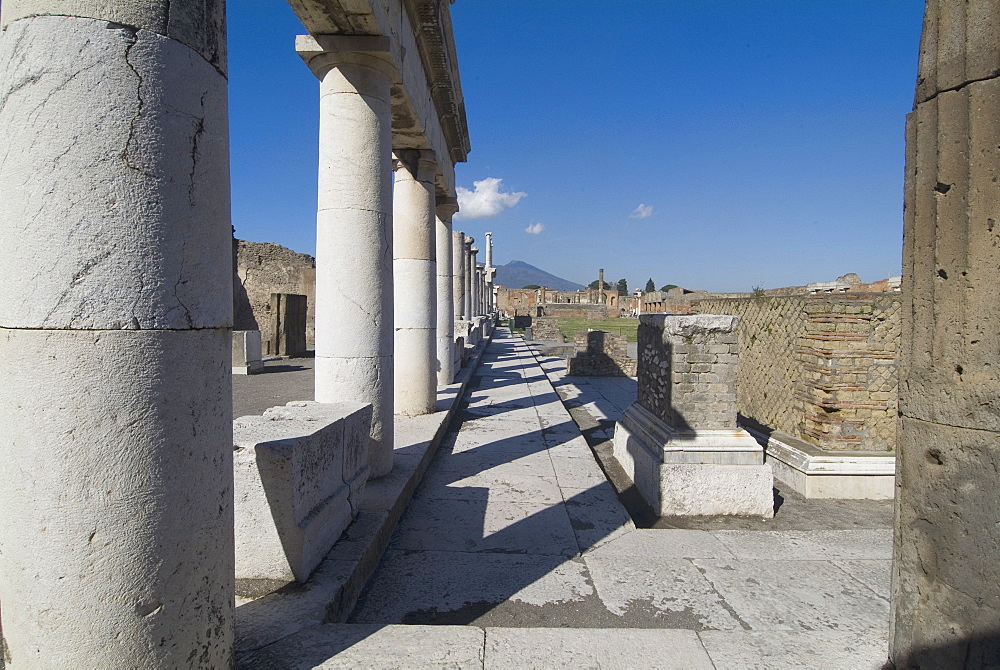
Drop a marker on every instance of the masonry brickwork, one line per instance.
(546, 329)
(264, 268)
(822, 369)
(601, 354)
(688, 371)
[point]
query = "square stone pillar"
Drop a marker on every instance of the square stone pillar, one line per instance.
(679, 442)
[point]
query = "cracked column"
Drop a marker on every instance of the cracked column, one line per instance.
(946, 577)
(446, 208)
(415, 280)
(116, 546)
(354, 306)
(469, 277)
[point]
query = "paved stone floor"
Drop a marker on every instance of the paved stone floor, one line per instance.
(517, 552)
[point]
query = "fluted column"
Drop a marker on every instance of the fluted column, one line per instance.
(415, 277)
(354, 306)
(446, 208)
(116, 545)
(946, 576)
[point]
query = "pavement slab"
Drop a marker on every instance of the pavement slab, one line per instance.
(516, 551)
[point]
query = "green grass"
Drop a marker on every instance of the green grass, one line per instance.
(570, 326)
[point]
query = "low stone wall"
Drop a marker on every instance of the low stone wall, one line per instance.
(601, 354)
(822, 369)
(576, 310)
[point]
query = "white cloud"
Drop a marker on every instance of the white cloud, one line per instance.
(534, 229)
(486, 200)
(642, 212)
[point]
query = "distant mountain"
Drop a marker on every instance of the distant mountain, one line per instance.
(518, 274)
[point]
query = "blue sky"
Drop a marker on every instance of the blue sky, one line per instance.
(762, 138)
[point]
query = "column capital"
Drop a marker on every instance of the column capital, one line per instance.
(418, 162)
(325, 52)
(474, 250)
(469, 240)
(446, 205)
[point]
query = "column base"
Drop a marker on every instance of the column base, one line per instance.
(696, 472)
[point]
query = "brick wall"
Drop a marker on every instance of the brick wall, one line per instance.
(822, 368)
(688, 370)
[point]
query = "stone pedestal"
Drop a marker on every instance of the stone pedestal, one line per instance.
(354, 305)
(246, 352)
(415, 283)
(679, 442)
(446, 208)
(300, 472)
(946, 576)
(116, 546)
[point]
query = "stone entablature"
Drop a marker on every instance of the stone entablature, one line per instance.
(821, 369)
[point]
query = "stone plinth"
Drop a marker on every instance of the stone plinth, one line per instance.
(246, 352)
(679, 442)
(300, 471)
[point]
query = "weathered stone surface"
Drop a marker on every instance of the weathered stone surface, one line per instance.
(946, 584)
(200, 25)
(262, 269)
(115, 497)
(124, 235)
(518, 648)
(300, 472)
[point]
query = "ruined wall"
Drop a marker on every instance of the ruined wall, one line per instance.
(601, 354)
(821, 368)
(263, 268)
(546, 329)
(517, 301)
(592, 312)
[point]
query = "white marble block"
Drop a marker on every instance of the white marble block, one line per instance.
(300, 471)
(247, 352)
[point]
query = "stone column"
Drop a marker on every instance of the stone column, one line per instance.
(476, 276)
(354, 310)
(415, 282)
(489, 250)
(946, 577)
(116, 546)
(470, 277)
(459, 265)
(446, 208)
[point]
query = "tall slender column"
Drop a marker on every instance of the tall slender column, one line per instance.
(459, 267)
(470, 275)
(116, 546)
(415, 278)
(354, 308)
(475, 280)
(946, 577)
(489, 250)
(446, 208)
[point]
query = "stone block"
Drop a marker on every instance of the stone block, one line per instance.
(246, 352)
(300, 471)
(693, 472)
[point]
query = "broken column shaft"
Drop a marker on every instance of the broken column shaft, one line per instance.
(116, 547)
